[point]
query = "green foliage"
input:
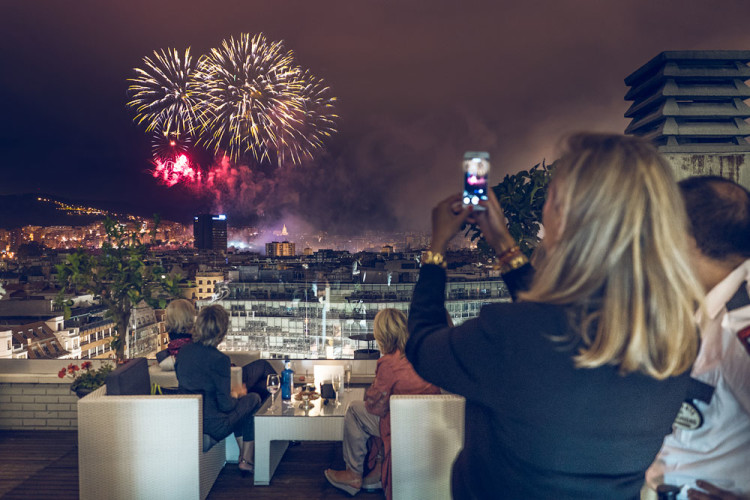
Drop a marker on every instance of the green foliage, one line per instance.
(120, 275)
(522, 196)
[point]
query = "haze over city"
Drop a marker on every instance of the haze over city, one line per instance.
(416, 84)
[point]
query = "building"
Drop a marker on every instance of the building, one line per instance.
(206, 284)
(210, 232)
(310, 320)
(38, 339)
(280, 249)
(144, 332)
(690, 104)
(92, 330)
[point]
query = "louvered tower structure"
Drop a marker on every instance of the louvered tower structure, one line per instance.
(691, 104)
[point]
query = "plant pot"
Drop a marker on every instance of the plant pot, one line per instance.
(82, 391)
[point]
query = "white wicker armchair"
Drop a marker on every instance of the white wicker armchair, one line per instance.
(144, 447)
(427, 432)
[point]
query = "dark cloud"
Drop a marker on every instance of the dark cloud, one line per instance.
(418, 83)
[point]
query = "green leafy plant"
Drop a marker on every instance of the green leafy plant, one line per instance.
(84, 377)
(522, 196)
(120, 275)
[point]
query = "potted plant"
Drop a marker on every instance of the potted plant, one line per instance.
(86, 380)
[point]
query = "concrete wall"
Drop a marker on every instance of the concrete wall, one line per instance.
(733, 166)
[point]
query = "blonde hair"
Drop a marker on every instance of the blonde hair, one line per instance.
(390, 331)
(211, 325)
(180, 316)
(622, 257)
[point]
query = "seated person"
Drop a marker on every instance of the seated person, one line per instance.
(202, 369)
(393, 375)
(180, 319)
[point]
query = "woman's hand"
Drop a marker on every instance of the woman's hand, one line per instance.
(492, 223)
(447, 218)
(238, 391)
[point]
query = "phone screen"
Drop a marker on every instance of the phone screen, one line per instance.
(476, 168)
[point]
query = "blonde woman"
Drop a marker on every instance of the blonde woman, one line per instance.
(364, 419)
(570, 390)
(180, 316)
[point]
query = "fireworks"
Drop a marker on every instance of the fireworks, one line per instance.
(176, 170)
(163, 93)
(245, 99)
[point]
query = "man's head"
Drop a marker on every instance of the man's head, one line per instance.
(719, 214)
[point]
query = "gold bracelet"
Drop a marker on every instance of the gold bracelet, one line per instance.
(512, 250)
(512, 264)
(435, 258)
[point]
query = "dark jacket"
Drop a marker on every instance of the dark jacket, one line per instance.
(536, 426)
(206, 370)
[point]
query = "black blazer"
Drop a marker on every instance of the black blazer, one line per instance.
(205, 370)
(536, 426)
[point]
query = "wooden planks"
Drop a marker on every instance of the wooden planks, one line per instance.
(44, 465)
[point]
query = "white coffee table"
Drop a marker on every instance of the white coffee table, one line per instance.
(283, 421)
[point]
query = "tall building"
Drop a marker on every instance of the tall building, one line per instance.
(210, 232)
(691, 105)
(280, 249)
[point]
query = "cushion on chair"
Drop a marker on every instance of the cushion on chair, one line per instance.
(129, 379)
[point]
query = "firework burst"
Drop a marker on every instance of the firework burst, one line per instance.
(176, 170)
(163, 93)
(251, 90)
(246, 100)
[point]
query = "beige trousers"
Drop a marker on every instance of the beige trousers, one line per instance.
(359, 425)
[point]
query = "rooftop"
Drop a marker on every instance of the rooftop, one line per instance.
(48, 469)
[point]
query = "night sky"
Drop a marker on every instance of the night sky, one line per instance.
(418, 83)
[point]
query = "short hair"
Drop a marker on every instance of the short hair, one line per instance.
(621, 260)
(719, 214)
(180, 317)
(211, 325)
(390, 331)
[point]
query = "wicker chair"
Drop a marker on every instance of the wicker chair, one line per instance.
(427, 432)
(144, 447)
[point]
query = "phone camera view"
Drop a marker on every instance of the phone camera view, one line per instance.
(476, 168)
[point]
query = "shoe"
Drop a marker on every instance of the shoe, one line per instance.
(352, 490)
(370, 487)
(245, 467)
(372, 483)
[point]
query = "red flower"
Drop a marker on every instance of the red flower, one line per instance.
(86, 365)
(62, 373)
(72, 369)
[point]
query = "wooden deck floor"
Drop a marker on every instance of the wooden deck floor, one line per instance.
(44, 465)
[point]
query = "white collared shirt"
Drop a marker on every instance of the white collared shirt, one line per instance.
(717, 447)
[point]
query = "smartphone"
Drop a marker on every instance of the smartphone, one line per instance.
(476, 169)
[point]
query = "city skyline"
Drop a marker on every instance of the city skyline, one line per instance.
(417, 84)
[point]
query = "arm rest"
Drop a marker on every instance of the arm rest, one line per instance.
(427, 432)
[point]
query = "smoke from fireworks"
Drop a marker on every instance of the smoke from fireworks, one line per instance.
(246, 100)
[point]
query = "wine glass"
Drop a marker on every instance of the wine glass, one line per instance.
(336, 382)
(273, 384)
(348, 377)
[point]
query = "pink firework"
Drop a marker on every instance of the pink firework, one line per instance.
(176, 171)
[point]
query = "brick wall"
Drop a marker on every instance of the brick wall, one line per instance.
(26, 406)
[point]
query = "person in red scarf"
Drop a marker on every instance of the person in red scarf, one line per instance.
(371, 417)
(179, 322)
